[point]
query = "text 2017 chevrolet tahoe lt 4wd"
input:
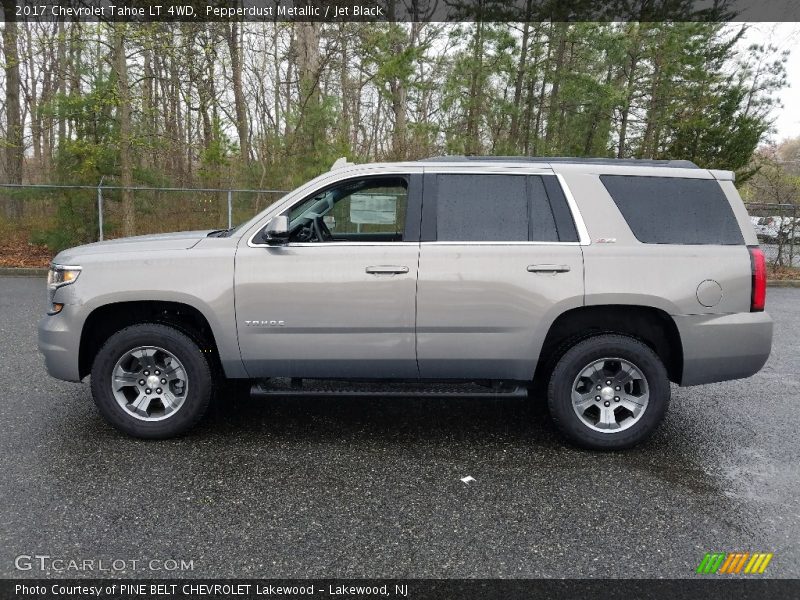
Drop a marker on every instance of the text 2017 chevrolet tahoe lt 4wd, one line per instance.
(603, 279)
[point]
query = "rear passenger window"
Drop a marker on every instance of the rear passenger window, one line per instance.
(674, 210)
(503, 208)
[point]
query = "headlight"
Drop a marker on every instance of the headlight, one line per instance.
(60, 275)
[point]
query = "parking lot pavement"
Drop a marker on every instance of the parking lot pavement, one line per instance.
(371, 487)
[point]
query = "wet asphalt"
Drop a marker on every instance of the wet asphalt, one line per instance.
(370, 487)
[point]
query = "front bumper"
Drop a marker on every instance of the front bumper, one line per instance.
(723, 347)
(59, 342)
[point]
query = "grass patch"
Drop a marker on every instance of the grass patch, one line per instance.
(776, 273)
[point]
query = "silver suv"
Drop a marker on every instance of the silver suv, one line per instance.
(601, 280)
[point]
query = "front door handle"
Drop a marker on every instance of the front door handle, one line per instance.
(548, 268)
(386, 270)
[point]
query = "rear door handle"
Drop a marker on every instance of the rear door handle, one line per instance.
(548, 268)
(386, 270)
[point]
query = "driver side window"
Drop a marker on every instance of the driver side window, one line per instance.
(365, 209)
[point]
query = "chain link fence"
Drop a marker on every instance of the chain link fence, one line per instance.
(778, 230)
(65, 215)
(59, 216)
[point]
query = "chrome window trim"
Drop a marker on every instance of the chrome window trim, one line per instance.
(500, 243)
(339, 244)
(327, 244)
(410, 169)
(436, 243)
(580, 225)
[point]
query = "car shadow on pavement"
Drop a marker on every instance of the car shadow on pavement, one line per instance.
(272, 445)
(392, 418)
(452, 429)
(461, 425)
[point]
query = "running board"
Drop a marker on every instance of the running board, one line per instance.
(320, 388)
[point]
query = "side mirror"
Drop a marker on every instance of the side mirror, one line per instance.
(277, 231)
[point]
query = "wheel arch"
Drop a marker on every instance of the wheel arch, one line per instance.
(105, 320)
(650, 325)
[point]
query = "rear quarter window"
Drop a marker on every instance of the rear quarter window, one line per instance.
(674, 210)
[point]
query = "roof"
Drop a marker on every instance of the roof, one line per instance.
(634, 162)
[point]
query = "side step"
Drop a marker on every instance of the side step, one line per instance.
(280, 387)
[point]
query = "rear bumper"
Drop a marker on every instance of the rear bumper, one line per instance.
(60, 344)
(723, 347)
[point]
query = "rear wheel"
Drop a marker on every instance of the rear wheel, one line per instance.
(608, 392)
(151, 381)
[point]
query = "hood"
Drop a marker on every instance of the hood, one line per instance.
(182, 240)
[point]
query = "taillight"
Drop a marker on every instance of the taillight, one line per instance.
(758, 293)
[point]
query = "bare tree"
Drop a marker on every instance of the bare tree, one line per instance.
(234, 47)
(14, 140)
(125, 138)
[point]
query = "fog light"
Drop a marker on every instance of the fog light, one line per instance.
(57, 306)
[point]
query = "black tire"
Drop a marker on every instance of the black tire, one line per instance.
(581, 355)
(198, 372)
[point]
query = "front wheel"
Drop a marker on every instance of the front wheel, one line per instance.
(608, 392)
(151, 381)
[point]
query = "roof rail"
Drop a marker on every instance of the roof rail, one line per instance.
(340, 163)
(640, 162)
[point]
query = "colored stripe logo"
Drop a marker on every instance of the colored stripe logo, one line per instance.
(734, 563)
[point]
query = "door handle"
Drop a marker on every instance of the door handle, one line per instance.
(386, 270)
(548, 268)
